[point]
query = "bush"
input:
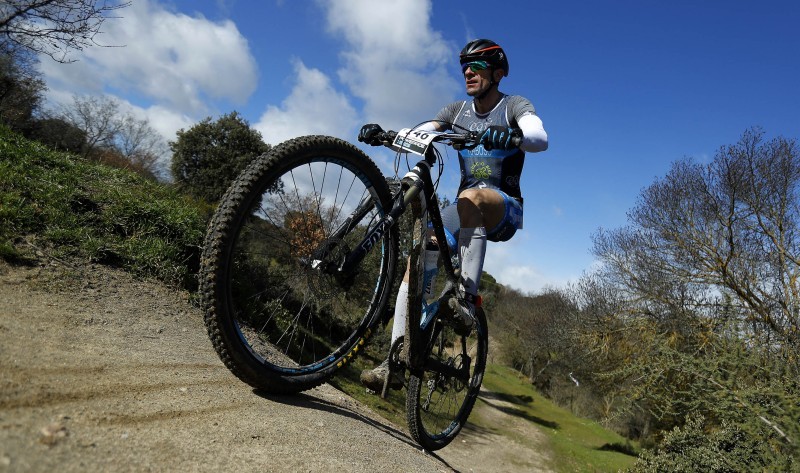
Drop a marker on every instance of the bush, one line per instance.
(695, 447)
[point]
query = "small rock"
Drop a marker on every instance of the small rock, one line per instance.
(53, 433)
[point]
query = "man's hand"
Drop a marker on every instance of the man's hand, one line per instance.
(499, 137)
(369, 134)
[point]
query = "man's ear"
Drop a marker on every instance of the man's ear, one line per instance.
(498, 75)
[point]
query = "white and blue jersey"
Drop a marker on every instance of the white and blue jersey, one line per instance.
(497, 169)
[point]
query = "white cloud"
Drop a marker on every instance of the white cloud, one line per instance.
(394, 61)
(168, 58)
(512, 264)
(313, 107)
(166, 121)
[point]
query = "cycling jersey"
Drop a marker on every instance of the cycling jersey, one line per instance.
(496, 168)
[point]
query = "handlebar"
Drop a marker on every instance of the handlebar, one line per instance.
(458, 141)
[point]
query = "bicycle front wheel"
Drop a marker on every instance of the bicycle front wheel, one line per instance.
(441, 395)
(276, 314)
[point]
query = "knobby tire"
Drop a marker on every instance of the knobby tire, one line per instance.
(437, 405)
(276, 320)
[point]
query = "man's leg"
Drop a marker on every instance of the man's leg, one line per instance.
(374, 378)
(478, 209)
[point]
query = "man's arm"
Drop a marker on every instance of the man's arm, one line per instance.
(534, 138)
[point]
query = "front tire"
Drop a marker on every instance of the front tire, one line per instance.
(276, 318)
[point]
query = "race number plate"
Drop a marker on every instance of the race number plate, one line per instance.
(414, 141)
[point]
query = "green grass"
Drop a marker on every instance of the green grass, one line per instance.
(66, 206)
(347, 380)
(575, 444)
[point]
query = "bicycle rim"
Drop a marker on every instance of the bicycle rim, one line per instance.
(280, 322)
(438, 405)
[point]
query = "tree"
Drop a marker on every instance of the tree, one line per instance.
(55, 27)
(727, 231)
(113, 136)
(98, 118)
(140, 144)
(695, 307)
(21, 88)
(59, 134)
(207, 157)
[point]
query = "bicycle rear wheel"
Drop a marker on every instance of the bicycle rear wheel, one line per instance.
(276, 318)
(439, 401)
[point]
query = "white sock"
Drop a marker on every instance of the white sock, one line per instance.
(400, 312)
(472, 251)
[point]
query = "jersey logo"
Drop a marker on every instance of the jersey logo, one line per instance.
(480, 170)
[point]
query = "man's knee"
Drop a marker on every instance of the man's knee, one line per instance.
(480, 207)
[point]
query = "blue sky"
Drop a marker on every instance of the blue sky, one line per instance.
(624, 88)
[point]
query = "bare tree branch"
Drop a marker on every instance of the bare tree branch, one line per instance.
(55, 27)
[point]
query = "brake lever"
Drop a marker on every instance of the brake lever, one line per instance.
(388, 137)
(473, 137)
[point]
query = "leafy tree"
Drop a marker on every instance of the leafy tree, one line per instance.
(207, 157)
(21, 88)
(59, 134)
(728, 449)
(55, 27)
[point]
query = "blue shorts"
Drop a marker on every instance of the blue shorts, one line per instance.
(503, 231)
(511, 222)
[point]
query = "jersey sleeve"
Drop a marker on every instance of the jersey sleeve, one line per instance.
(448, 115)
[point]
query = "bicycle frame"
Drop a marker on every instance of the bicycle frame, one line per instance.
(419, 328)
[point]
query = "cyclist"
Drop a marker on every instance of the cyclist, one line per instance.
(489, 202)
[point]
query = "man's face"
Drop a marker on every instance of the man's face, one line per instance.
(478, 81)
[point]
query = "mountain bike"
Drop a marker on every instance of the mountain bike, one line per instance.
(299, 261)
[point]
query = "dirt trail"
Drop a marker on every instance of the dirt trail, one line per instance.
(103, 372)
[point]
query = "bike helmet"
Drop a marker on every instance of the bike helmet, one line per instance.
(485, 50)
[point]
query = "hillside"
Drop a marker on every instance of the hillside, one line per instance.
(111, 369)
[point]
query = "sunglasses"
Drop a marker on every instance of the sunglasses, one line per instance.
(475, 66)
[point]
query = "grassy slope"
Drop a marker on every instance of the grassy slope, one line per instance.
(577, 444)
(63, 205)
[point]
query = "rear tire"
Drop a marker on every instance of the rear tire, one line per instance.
(276, 320)
(437, 405)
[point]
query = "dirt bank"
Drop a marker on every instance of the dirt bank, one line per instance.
(103, 372)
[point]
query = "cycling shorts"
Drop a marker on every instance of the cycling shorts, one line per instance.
(503, 231)
(511, 222)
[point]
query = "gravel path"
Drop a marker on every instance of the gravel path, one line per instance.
(103, 372)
